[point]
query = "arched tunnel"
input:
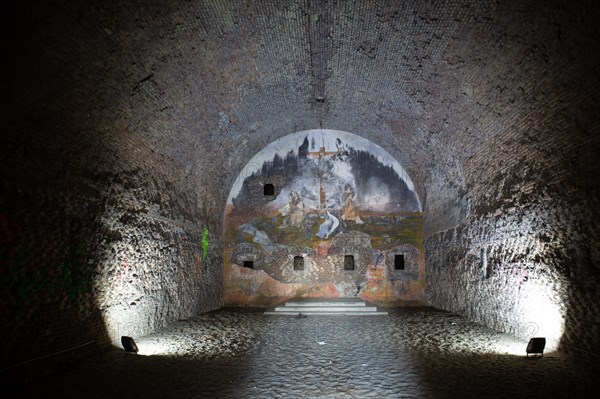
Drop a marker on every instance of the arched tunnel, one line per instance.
(459, 138)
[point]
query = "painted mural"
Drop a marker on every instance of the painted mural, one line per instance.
(323, 214)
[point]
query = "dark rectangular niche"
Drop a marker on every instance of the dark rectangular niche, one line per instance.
(249, 264)
(348, 262)
(486, 266)
(399, 262)
(298, 263)
(269, 190)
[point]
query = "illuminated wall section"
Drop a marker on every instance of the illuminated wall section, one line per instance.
(342, 220)
(155, 270)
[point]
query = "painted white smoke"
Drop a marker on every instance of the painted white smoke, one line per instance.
(376, 196)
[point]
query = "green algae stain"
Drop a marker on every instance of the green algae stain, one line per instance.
(204, 243)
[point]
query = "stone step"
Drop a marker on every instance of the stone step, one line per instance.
(325, 309)
(309, 313)
(334, 306)
(326, 303)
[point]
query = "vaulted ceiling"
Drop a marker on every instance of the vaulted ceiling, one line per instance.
(457, 91)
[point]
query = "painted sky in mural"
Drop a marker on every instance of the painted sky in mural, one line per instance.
(327, 168)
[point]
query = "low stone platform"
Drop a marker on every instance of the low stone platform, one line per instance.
(326, 307)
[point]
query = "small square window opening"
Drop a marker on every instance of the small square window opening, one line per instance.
(298, 263)
(348, 262)
(399, 262)
(269, 189)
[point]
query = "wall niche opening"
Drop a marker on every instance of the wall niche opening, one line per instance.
(486, 266)
(298, 263)
(269, 190)
(249, 264)
(348, 262)
(399, 262)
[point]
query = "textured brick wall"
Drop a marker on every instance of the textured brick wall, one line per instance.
(527, 270)
(528, 253)
(101, 231)
(104, 256)
(523, 256)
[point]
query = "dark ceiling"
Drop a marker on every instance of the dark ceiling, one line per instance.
(469, 96)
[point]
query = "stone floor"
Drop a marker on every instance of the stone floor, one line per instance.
(412, 353)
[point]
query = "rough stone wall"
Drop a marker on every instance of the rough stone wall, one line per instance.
(101, 230)
(96, 261)
(155, 267)
(514, 244)
(525, 260)
(531, 270)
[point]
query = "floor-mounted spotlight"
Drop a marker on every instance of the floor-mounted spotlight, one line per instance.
(536, 346)
(129, 344)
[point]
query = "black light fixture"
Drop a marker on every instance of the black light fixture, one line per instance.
(129, 344)
(536, 346)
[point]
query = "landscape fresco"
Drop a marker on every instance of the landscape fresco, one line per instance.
(343, 211)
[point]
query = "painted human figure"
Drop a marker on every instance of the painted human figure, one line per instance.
(295, 215)
(349, 210)
(296, 210)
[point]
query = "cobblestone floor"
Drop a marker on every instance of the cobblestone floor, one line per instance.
(412, 353)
